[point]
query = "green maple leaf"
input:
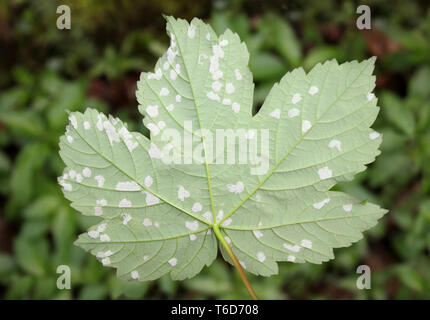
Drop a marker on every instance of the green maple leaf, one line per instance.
(163, 217)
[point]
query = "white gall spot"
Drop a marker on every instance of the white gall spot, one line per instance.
(335, 144)
(154, 152)
(306, 125)
(227, 222)
(306, 243)
(236, 188)
(258, 234)
(229, 88)
(347, 207)
(127, 186)
(374, 135)
(192, 225)
(124, 203)
(104, 238)
(86, 172)
(197, 207)
(294, 112)
(291, 248)
(164, 92)
(148, 181)
(261, 256)
(296, 98)
(321, 204)
(173, 262)
(147, 222)
(276, 113)
(183, 193)
(325, 173)
(313, 90)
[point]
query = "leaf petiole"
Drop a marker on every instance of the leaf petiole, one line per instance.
(236, 263)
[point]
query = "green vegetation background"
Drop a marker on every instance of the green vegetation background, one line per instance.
(45, 71)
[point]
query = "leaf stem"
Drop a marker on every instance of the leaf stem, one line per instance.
(236, 263)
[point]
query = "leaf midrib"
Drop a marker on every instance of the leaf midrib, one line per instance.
(208, 176)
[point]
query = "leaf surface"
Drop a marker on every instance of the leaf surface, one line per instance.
(164, 201)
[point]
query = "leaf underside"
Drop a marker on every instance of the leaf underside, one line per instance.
(158, 218)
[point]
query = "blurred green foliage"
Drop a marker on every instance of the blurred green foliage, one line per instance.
(46, 71)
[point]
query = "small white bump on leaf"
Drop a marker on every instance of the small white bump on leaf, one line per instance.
(325, 173)
(197, 207)
(261, 256)
(94, 234)
(191, 31)
(192, 225)
(216, 86)
(147, 222)
(208, 216)
(213, 96)
(102, 227)
(126, 218)
(294, 112)
(235, 107)
(238, 74)
(124, 203)
(313, 90)
(291, 258)
(154, 151)
(292, 248)
(164, 92)
(306, 243)
(306, 125)
(374, 135)
(127, 186)
(86, 172)
(296, 98)
(150, 198)
(258, 233)
(173, 262)
(321, 204)
(148, 181)
(335, 144)
(100, 180)
(236, 188)
(227, 222)
(220, 215)
(347, 207)
(183, 193)
(276, 113)
(226, 102)
(73, 121)
(98, 211)
(104, 238)
(101, 202)
(229, 88)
